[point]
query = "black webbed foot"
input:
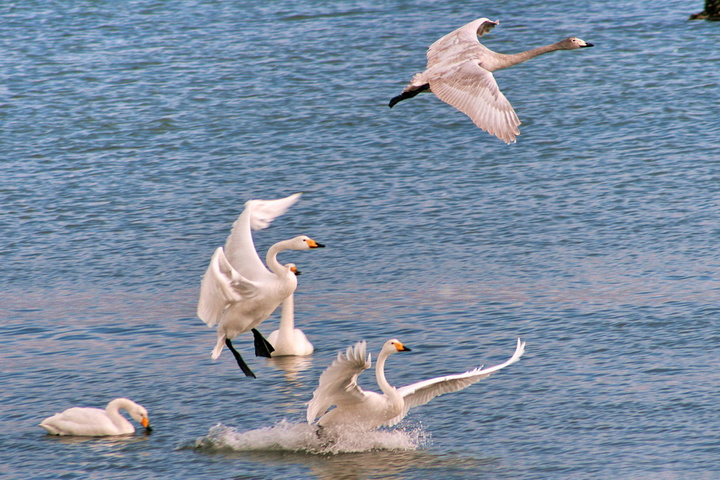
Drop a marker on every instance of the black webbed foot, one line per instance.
(241, 363)
(263, 348)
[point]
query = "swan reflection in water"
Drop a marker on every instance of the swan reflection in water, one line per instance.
(294, 390)
(100, 443)
(291, 365)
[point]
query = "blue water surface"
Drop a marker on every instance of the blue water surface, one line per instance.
(132, 133)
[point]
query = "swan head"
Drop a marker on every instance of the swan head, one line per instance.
(140, 415)
(293, 268)
(394, 345)
(303, 242)
(573, 42)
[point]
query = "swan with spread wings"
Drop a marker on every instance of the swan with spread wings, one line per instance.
(356, 408)
(459, 72)
(238, 292)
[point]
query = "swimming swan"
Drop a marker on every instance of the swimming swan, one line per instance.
(459, 72)
(95, 422)
(288, 340)
(237, 292)
(357, 408)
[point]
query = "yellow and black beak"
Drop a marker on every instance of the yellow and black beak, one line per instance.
(295, 271)
(313, 244)
(146, 423)
(402, 348)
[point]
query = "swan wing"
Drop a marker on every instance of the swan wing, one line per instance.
(467, 34)
(221, 285)
(421, 393)
(474, 91)
(239, 247)
(338, 383)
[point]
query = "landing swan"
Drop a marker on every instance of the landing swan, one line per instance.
(359, 409)
(95, 422)
(237, 292)
(288, 340)
(459, 72)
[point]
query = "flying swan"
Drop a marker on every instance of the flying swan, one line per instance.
(237, 292)
(288, 340)
(364, 410)
(95, 422)
(459, 72)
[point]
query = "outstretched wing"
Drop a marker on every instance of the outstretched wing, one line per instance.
(221, 285)
(239, 247)
(474, 91)
(338, 383)
(422, 392)
(468, 33)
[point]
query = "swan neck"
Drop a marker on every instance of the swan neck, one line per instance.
(505, 60)
(382, 382)
(117, 404)
(287, 315)
(113, 410)
(271, 258)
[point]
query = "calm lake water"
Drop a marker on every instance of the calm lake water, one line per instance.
(132, 133)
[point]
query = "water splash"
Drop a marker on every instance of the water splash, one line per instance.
(304, 438)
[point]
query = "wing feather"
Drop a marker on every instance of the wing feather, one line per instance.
(239, 246)
(338, 383)
(474, 91)
(467, 34)
(221, 285)
(421, 393)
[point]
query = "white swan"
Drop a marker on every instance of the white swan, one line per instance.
(95, 422)
(237, 292)
(359, 409)
(288, 340)
(459, 72)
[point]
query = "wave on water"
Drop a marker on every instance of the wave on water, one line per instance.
(305, 438)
